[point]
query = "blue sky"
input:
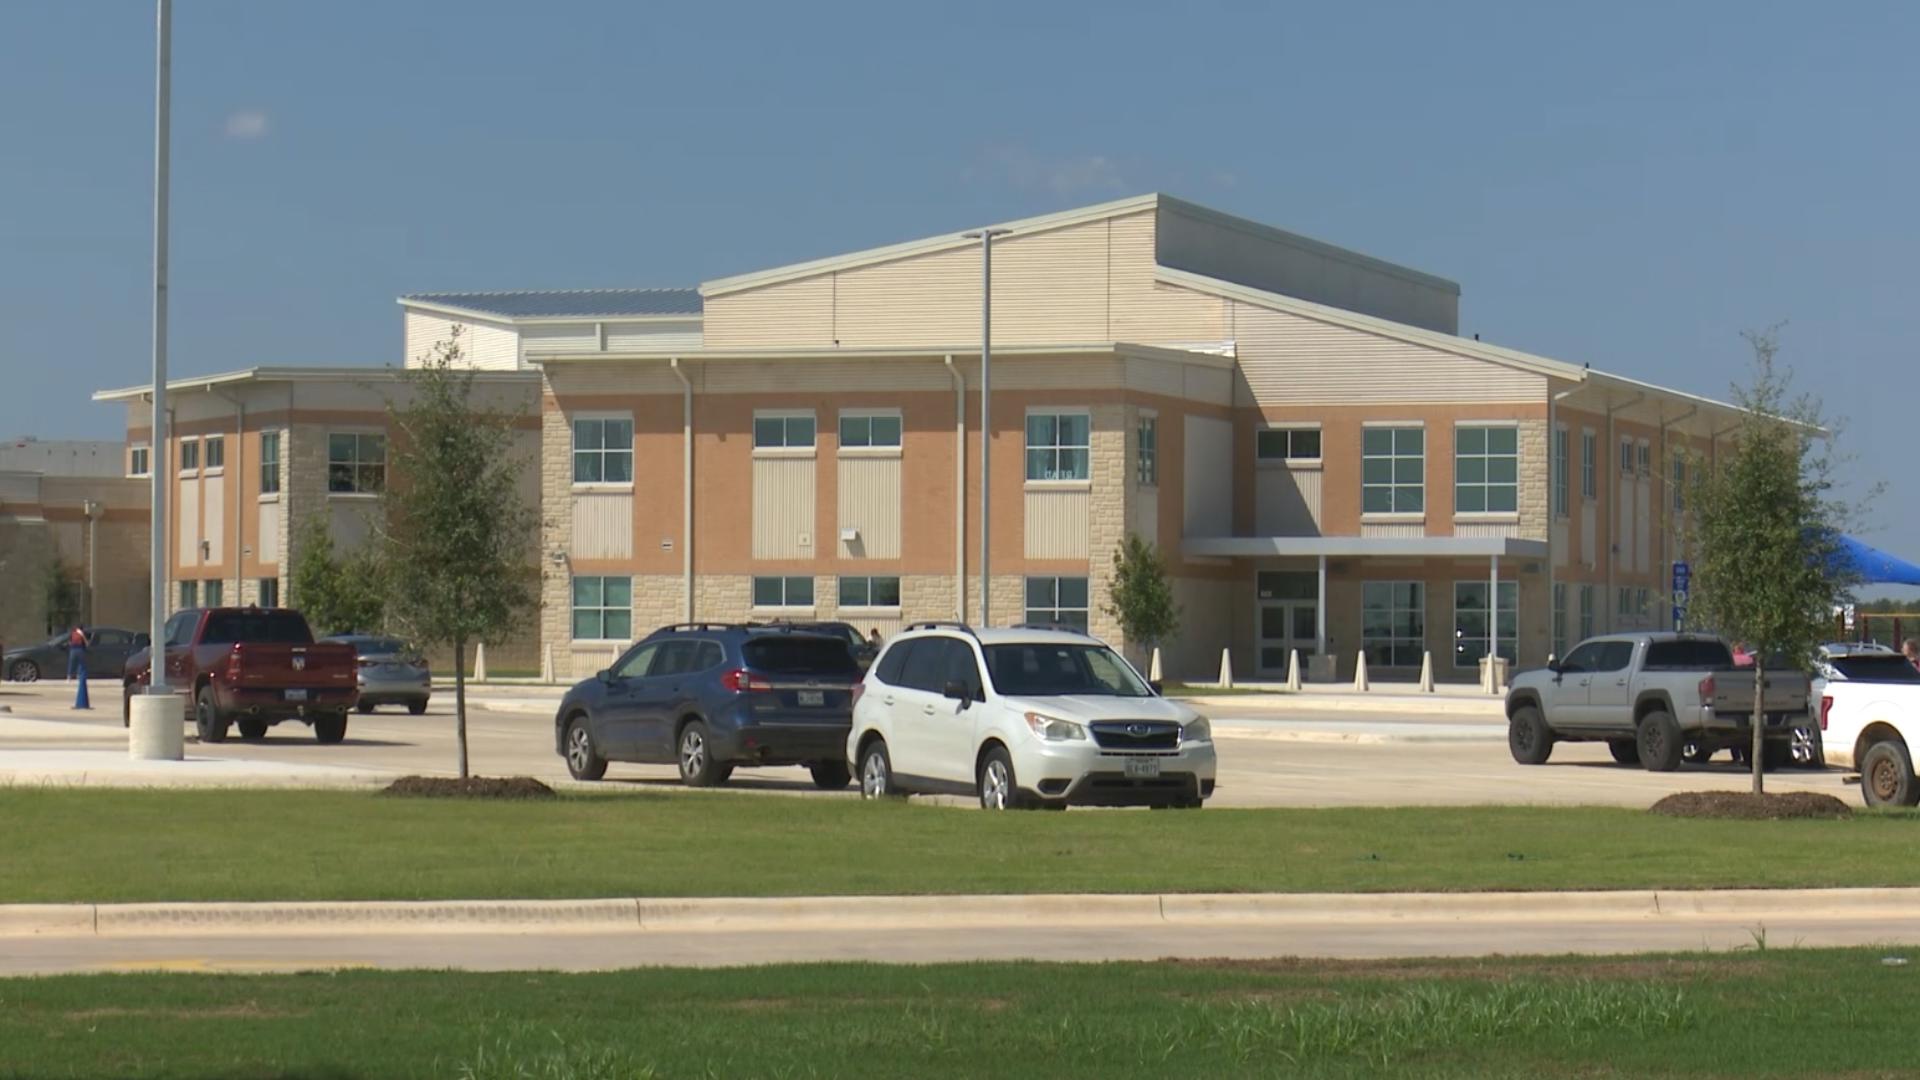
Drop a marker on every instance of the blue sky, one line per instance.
(1629, 185)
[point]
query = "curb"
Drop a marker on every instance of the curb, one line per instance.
(1359, 738)
(741, 914)
(1320, 704)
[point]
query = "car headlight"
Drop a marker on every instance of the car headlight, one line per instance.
(1054, 730)
(1200, 730)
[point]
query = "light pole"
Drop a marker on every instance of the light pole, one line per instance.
(986, 426)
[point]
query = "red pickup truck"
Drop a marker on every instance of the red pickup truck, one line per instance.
(254, 667)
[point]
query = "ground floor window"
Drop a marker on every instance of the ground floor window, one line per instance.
(862, 592)
(1623, 603)
(189, 594)
(269, 592)
(602, 608)
(1470, 620)
(1559, 619)
(1393, 623)
(1061, 600)
(1586, 612)
(216, 593)
(774, 592)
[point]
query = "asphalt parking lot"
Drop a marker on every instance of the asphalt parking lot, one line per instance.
(1267, 758)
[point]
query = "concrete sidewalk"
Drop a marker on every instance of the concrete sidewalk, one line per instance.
(113, 768)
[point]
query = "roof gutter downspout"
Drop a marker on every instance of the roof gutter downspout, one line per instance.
(686, 485)
(1557, 616)
(959, 490)
(1607, 603)
(239, 491)
(1671, 509)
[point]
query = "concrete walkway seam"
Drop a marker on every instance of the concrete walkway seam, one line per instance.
(732, 914)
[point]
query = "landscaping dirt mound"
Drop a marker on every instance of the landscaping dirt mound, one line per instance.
(473, 787)
(1746, 806)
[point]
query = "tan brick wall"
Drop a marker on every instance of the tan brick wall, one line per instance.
(1536, 480)
(1112, 470)
(556, 529)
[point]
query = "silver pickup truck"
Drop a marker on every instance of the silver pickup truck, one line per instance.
(1655, 699)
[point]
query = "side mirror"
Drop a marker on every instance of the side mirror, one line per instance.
(605, 675)
(958, 691)
(1553, 665)
(1159, 688)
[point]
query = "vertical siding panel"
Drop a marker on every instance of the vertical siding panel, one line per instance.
(267, 540)
(1057, 524)
(1208, 457)
(213, 497)
(797, 313)
(1290, 359)
(187, 553)
(602, 525)
(1288, 501)
(783, 506)
(869, 500)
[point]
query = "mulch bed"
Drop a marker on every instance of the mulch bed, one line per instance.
(1746, 806)
(473, 787)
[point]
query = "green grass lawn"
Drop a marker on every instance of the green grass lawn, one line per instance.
(105, 846)
(1789, 1013)
(1198, 690)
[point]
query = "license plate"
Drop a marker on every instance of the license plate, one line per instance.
(1143, 768)
(813, 697)
(296, 695)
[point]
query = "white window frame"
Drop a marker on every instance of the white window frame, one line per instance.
(840, 584)
(574, 608)
(1426, 448)
(1626, 456)
(1026, 448)
(279, 437)
(214, 592)
(193, 469)
(1589, 465)
(1394, 639)
(574, 451)
(140, 452)
(1146, 449)
(263, 586)
(1484, 484)
(1644, 459)
(1056, 608)
(207, 443)
(1288, 460)
(1588, 612)
(188, 593)
(386, 458)
(783, 450)
(785, 604)
(1499, 639)
(1562, 472)
(884, 451)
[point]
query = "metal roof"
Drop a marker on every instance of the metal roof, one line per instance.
(566, 303)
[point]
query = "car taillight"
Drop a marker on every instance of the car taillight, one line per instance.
(1706, 689)
(740, 681)
(233, 662)
(368, 661)
(1826, 706)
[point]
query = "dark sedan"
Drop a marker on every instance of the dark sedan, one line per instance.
(107, 652)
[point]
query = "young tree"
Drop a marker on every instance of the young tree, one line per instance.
(1142, 600)
(63, 595)
(459, 538)
(1765, 527)
(336, 595)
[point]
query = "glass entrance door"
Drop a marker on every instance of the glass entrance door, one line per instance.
(1287, 610)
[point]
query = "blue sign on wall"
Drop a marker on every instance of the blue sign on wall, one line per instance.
(1682, 581)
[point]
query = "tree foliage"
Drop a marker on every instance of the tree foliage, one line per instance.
(337, 594)
(1765, 527)
(460, 540)
(64, 595)
(1142, 599)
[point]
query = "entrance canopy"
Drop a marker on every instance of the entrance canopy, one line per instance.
(1441, 547)
(1876, 567)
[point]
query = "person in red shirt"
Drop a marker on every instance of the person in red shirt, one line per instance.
(1911, 650)
(77, 652)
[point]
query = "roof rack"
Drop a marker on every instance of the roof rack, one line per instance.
(1062, 628)
(939, 624)
(700, 626)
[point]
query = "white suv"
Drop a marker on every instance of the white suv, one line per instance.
(1023, 717)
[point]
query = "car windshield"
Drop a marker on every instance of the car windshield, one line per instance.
(1048, 670)
(799, 655)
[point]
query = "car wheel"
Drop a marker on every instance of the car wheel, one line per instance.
(417, 708)
(1660, 742)
(830, 775)
(1625, 751)
(330, 728)
(697, 767)
(363, 707)
(1807, 748)
(1886, 775)
(583, 758)
(207, 721)
(876, 772)
(24, 671)
(251, 729)
(1694, 753)
(998, 788)
(1528, 739)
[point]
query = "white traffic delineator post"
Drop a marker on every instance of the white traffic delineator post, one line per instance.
(1360, 673)
(480, 662)
(1153, 665)
(1293, 670)
(546, 664)
(156, 728)
(1226, 669)
(1497, 672)
(1426, 672)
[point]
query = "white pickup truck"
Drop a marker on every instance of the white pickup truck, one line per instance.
(1870, 722)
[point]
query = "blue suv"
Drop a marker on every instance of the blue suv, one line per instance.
(709, 697)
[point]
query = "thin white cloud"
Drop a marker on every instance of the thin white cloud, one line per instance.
(1069, 174)
(247, 124)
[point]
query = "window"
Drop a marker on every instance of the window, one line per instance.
(1690, 654)
(869, 430)
(1486, 470)
(189, 455)
(139, 461)
(1589, 483)
(1645, 459)
(603, 450)
(356, 464)
(1061, 600)
(179, 628)
(1559, 618)
(1623, 603)
(189, 594)
(1148, 451)
(1470, 617)
(1059, 446)
(783, 432)
(783, 592)
(216, 452)
(215, 593)
(1679, 483)
(1393, 470)
(870, 592)
(1597, 656)
(602, 608)
(1562, 473)
(269, 590)
(778, 654)
(1287, 444)
(1584, 658)
(269, 462)
(1586, 612)
(1641, 606)
(637, 662)
(1393, 623)
(1626, 457)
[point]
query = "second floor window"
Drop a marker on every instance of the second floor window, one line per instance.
(783, 432)
(1589, 483)
(139, 461)
(1562, 468)
(1059, 446)
(356, 464)
(1147, 468)
(216, 452)
(269, 463)
(869, 430)
(189, 455)
(1393, 462)
(603, 451)
(1287, 444)
(1486, 470)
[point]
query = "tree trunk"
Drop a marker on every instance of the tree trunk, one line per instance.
(1758, 759)
(460, 702)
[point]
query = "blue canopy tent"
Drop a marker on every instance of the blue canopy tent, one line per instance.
(1876, 567)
